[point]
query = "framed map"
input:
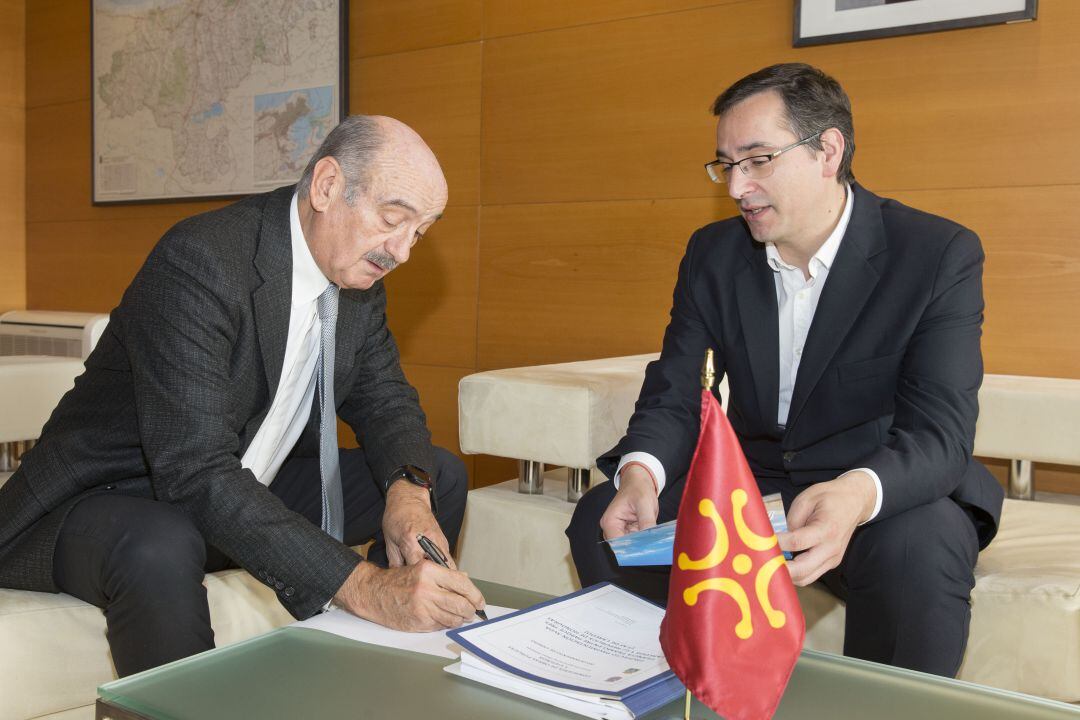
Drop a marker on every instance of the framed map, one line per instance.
(196, 99)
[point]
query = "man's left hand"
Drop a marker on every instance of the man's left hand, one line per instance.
(408, 514)
(821, 521)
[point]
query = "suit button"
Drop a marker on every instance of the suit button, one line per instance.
(789, 456)
(289, 592)
(278, 584)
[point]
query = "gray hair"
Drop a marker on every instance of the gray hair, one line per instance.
(354, 143)
(813, 102)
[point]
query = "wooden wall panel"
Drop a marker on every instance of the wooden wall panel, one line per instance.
(380, 27)
(513, 17)
(1032, 274)
(13, 53)
(86, 265)
(12, 155)
(437, 93)
(432, 298)
(955, 109)
(489, 470)
(437, 387)
(58, 52)
(579, 280)
(619, 110)
(614, 111)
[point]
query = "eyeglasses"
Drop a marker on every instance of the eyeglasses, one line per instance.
(755, 167)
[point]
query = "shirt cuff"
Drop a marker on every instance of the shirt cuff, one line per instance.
(649, 461)
(877, 484)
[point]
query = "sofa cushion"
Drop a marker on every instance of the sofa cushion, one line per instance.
(55, 653)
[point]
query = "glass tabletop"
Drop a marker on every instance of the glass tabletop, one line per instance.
(303, 673)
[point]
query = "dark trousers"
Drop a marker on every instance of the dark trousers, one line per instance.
(143, 561)
(906, 579)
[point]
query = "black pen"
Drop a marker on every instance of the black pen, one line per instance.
(435, 555)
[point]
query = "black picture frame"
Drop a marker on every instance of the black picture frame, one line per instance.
(341, 96)
(976, 19)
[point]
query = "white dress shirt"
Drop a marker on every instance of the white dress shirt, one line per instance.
(291, 407)
(797, 300)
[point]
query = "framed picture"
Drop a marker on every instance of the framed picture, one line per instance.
(831, 21)
(196, 100)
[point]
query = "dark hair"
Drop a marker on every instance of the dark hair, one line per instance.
(354, 143)
(813, 102)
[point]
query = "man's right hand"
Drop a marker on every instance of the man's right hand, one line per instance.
(634, 506)
(415, 598)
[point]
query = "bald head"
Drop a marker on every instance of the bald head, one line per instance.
(368, 195)
(363, 144)
(404, 158)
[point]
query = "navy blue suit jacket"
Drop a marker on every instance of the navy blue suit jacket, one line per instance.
(888, 378)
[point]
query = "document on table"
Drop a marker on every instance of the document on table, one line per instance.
(595, 652)
(347, 625)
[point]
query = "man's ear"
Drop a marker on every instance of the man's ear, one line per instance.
(327, 182)
(832, 145)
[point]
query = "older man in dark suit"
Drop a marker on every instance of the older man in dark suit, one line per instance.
(848, 326)
(202, 433)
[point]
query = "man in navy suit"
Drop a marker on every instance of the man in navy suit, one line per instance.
(849, 327)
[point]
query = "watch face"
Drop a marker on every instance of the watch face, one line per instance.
(417, 476)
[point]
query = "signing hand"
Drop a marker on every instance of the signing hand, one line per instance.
(821, 521)
(408, 514)
(634, 506)
(416, 598)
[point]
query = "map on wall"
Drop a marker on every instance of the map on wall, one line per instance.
(198, 98)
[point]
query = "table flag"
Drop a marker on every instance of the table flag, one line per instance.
(733, 628)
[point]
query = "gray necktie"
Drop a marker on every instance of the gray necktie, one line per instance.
(333, 511)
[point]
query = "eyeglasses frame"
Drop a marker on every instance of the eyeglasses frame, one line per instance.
(727, 166)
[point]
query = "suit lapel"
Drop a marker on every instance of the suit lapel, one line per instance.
(756, 298)
(272, 299)
(852, 278)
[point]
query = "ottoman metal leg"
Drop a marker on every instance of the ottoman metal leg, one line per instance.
(577, 483)
(530, 477)
(1022, 479)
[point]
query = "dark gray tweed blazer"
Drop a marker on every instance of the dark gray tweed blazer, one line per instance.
(176, 390)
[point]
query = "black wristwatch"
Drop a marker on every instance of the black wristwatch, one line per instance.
(417, 477)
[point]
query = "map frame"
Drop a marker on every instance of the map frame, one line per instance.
(340, 93)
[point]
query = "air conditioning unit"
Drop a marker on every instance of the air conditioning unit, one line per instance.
(48, 332)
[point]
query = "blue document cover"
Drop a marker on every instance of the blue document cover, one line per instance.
(655, 545)
(595, 652)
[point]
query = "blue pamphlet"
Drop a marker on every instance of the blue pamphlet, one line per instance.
(655, 546)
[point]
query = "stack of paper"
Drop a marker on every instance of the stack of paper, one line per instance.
(595, 652)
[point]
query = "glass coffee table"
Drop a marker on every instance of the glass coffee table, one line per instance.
(293, 673)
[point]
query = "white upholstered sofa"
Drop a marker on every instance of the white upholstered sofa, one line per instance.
(1025, 630)
(53, 650)
(1026, 622)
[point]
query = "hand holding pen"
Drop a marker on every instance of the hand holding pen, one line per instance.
(435, 555)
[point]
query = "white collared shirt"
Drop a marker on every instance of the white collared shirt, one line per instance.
(291, 407)
(797, 300)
